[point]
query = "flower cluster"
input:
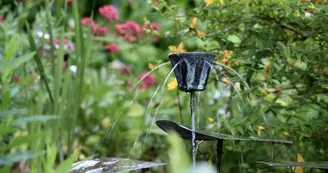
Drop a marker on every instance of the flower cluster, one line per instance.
(112, 47)
(125, 69)
(86, 22)
(147, 80)
(102, 31)
(128, 30)
(68, 45)
(226, 54)
(15, 79)
(109, 12)
(154, 26)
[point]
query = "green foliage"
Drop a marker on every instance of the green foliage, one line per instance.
(179, 159)
(279, 48)
(52, 116)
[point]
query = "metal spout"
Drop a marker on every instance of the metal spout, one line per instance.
(193, 69)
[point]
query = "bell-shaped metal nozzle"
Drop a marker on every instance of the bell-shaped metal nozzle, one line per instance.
(192, 70)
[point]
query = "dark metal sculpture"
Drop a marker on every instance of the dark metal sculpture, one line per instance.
(107, 165)
(319, 165)
(192, 69)
(186, 133)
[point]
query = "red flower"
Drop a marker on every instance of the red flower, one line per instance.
(133, 26)
(86, 22)
(15, 78)
(147, 80)
(153, 26)
(128, 30)
(20, 0)
(102, 31)
(125, 69)
(69, 2)
(109, 12)
(68, 45)
(112, 47)
(143, 86)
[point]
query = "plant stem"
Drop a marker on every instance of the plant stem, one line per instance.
(179, 106)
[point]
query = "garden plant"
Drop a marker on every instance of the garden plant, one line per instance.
(81, 80)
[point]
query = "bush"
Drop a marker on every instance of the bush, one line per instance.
(75, 83)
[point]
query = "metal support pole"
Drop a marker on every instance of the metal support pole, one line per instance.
(193, 138)
(219, 153)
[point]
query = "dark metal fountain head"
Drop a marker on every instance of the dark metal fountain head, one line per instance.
(192, 70)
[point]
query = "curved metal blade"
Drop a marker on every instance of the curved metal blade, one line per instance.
(115, 165)
(319, 165)
(186, 133)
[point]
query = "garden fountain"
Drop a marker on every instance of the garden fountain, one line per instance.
(192, 71)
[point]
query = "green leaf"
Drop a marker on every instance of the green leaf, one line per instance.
(21, 140)
(22, 59)
(136, 110)
(5, 161)
(37, 118)
(11, 48)
(23, 155)
(6, 130)
(12, 112)
(281, 118)
(179, 159)
(38, 60)
(5, 169)
(234, 39)
(66, 166)
(281, 44)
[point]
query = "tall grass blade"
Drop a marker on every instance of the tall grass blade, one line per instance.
(38, 61)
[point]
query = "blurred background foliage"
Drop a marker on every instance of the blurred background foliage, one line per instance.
(71, 91)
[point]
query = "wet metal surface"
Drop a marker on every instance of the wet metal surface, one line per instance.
(186, 133)
(113, 165)
(319, 165)
(192, 70)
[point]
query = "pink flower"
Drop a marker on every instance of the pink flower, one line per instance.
(109, 12)
(120, 28)
(131, 38)
(125, 69)
(128, 30)
(112, 47)
(143, 86)
(68, 45)
(1, 19)
(86, 22)
(102, 31)
(147, 80)
(133, 26)
(153, 26)
(15, 79)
